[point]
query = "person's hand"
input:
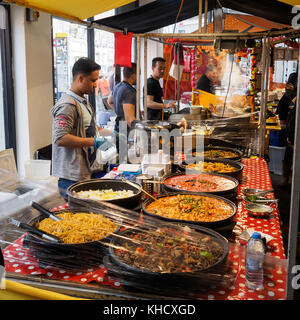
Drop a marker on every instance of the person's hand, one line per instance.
(171, 104)
(105, 132)
(101, 143)
(120, 136)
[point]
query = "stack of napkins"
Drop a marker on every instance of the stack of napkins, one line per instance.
(129, 167)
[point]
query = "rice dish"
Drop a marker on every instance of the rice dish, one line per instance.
(105, 194)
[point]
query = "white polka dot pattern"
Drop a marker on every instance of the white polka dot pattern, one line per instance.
(255, 175)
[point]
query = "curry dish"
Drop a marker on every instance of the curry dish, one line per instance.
(217, 154)
(78, 227)
(191, 207)
(200, 183)
(206, 166)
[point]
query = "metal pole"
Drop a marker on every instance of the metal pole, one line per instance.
(205, 15)
(295, 198)
(91, 55)
(262, 118)
(138, 78)
(266, 89)
(200, 16)
(222, 35)
(178, 79)
(145, 80)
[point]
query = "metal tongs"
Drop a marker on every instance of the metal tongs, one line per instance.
(44, 211)
(34, 230)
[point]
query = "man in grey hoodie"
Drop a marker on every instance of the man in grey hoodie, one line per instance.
(74, 132)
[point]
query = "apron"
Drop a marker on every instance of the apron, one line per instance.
(90, 132)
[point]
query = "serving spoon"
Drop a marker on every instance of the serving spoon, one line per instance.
(256, 192)
(256, 199)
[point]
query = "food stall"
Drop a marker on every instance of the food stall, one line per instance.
(46, 265)
(116, 262)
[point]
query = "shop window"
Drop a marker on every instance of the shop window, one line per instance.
(104, 55)
(285, 63)
(2, 122)
(7, 109)
(69, 44)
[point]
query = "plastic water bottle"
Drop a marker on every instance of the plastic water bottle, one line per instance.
(254, 262)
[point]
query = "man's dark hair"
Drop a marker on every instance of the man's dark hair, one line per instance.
(210, 67)
(129, 71)
(157, 59)
(293, 79)
(85, 66)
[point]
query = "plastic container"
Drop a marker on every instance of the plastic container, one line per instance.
(276, 139)
(37, 169)
(159, 160)
(276, 155)
(254, 262)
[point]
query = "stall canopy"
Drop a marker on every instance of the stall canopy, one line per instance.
(162, 13)
(76, 10)
(197, 53)
(291, 2)
(156, 14)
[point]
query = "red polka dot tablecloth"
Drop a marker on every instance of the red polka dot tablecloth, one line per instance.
(255, 175)
(19, 260)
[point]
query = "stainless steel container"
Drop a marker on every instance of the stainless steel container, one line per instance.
(147, 186)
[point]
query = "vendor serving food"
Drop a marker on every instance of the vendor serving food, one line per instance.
(74, 132)
(208, 79)
(155, 103)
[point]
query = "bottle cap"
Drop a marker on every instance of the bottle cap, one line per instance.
(256, 235)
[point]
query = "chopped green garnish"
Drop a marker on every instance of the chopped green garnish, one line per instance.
(206, 254)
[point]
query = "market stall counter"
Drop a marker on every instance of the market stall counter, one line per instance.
(100, 281)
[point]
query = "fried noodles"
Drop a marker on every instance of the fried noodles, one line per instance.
(78, 227)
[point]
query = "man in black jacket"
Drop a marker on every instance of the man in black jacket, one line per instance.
(290, 93)
(155, 92)
(206, 82)
(288, 156)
